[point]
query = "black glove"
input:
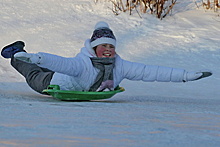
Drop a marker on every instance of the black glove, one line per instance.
(191, 76)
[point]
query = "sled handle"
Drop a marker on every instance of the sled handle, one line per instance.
(54, 87)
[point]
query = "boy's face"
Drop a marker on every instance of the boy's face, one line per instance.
(105, 51)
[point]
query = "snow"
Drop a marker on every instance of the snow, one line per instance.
(146, 114)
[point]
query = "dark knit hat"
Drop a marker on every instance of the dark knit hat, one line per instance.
(102, 35)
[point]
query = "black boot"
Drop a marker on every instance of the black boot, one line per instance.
(9, 50)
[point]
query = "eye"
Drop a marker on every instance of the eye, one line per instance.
(111, 46)
(105, 45)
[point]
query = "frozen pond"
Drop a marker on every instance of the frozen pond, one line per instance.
(119, 121)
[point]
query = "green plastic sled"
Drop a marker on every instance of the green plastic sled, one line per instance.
(65, 95)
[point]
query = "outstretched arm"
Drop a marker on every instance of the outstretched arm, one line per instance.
(69, 66)
(149, 73)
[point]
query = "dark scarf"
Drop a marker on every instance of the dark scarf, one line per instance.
(105, 75)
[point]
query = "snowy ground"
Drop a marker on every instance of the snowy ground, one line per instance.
(146, 114)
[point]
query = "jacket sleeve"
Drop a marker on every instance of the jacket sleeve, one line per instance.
(69, 66)
(150, 73)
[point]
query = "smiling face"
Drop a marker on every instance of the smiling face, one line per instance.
(105, 51)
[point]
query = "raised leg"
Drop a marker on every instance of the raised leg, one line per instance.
(37, 78)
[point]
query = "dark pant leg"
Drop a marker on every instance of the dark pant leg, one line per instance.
(37, 78)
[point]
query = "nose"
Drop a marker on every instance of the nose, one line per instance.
(107, 48)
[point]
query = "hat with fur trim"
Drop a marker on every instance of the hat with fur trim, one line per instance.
(102, 35)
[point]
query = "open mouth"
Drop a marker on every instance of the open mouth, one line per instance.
(107, 54)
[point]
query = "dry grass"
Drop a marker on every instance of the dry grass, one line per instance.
(159, 8)
(211, 4)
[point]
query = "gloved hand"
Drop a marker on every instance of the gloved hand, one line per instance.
(28, 57)
(191, 76)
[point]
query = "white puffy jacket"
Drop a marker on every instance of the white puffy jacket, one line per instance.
(78, 73)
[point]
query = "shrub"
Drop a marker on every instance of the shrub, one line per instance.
(160, 8)
(211, 4)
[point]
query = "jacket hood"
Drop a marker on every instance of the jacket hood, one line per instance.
(87, 49)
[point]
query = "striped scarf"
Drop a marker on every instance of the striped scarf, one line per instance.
(104, 78)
